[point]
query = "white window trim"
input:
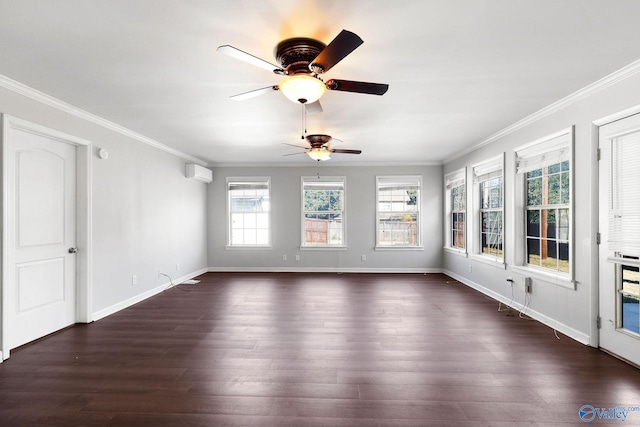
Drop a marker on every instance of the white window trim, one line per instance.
(247, 179)
(488, 166)
(341, 179)
(406, 179)
(566, 280)
(449, 179)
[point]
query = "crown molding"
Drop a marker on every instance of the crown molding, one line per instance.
(43, 98)
(595, 87)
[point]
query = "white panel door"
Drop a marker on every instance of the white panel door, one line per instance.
(41, 216)
(619, 251)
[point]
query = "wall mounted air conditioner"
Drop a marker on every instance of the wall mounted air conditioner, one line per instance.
(199, 173)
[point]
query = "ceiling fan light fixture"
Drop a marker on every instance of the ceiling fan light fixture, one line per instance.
(320, 154)
(302, 88)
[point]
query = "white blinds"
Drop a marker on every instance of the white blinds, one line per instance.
(624, 199)
(255, 183)
(555, 149)
(488, 170)
(455, 179)
(398, 182)
(323, 183)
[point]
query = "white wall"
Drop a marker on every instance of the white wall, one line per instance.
(570, 311)
(361, 226)
(146, 215)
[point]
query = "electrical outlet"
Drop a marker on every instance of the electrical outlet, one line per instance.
(134, 279)
(178, 267)
(470, 268)
(284, 257)
(297, 257)
(363, 258)
(527, 285)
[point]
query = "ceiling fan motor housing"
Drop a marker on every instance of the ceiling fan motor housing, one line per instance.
(294, 55)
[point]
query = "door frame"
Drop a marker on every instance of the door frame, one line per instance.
(595, 180)
(83, 220)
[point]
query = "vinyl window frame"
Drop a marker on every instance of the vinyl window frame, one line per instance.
(456, 182)
(402, 183)
(487, 171)
(248, 184)
(550, 150)
(308, 183)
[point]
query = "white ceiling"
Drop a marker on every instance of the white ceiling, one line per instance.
(458, 70)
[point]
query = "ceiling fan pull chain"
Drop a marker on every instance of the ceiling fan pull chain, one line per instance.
(304, 122)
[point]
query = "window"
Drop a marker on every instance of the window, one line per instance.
(323, 218)
(248, 202)
(455, 184)
(398, 214)
(545, 169)
(488, 185)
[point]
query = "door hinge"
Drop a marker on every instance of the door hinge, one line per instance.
(597, 238)
(598, 154)
(599, 322)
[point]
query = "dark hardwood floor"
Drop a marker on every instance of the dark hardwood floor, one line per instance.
(312, 350)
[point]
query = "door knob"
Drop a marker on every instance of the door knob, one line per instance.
(73, 250)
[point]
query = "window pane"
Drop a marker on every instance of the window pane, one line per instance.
(533, 251)
(554, 190)
(237, 220)
(262, 220)
(533, 223)
(534, 173)
(237, 236)
(564, 188)
(250, 237)
(250, 220)
(553, 168)
(563, 224)
(534, 192)
(548, 223)
(563, 257)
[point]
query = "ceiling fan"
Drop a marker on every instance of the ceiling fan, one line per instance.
(320, 147)
(302, 60)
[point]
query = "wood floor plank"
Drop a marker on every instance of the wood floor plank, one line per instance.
(296, 349)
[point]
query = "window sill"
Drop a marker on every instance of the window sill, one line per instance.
(323, 248)
(553, 278)
(489, 260)
(456, 251)
(248, 247)
(398, 248)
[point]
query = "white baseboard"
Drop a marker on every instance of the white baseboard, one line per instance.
(143, 296)
(581, 337)
(321, 270)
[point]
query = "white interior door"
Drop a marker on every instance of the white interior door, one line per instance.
(619, 253)
(41, 219)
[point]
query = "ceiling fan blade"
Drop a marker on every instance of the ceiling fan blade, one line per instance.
(313, 108)
(293, 154)
(253, 93)
(247, 57)
(359, 87)
(294, 145)
(345, 151)
(344, 43)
